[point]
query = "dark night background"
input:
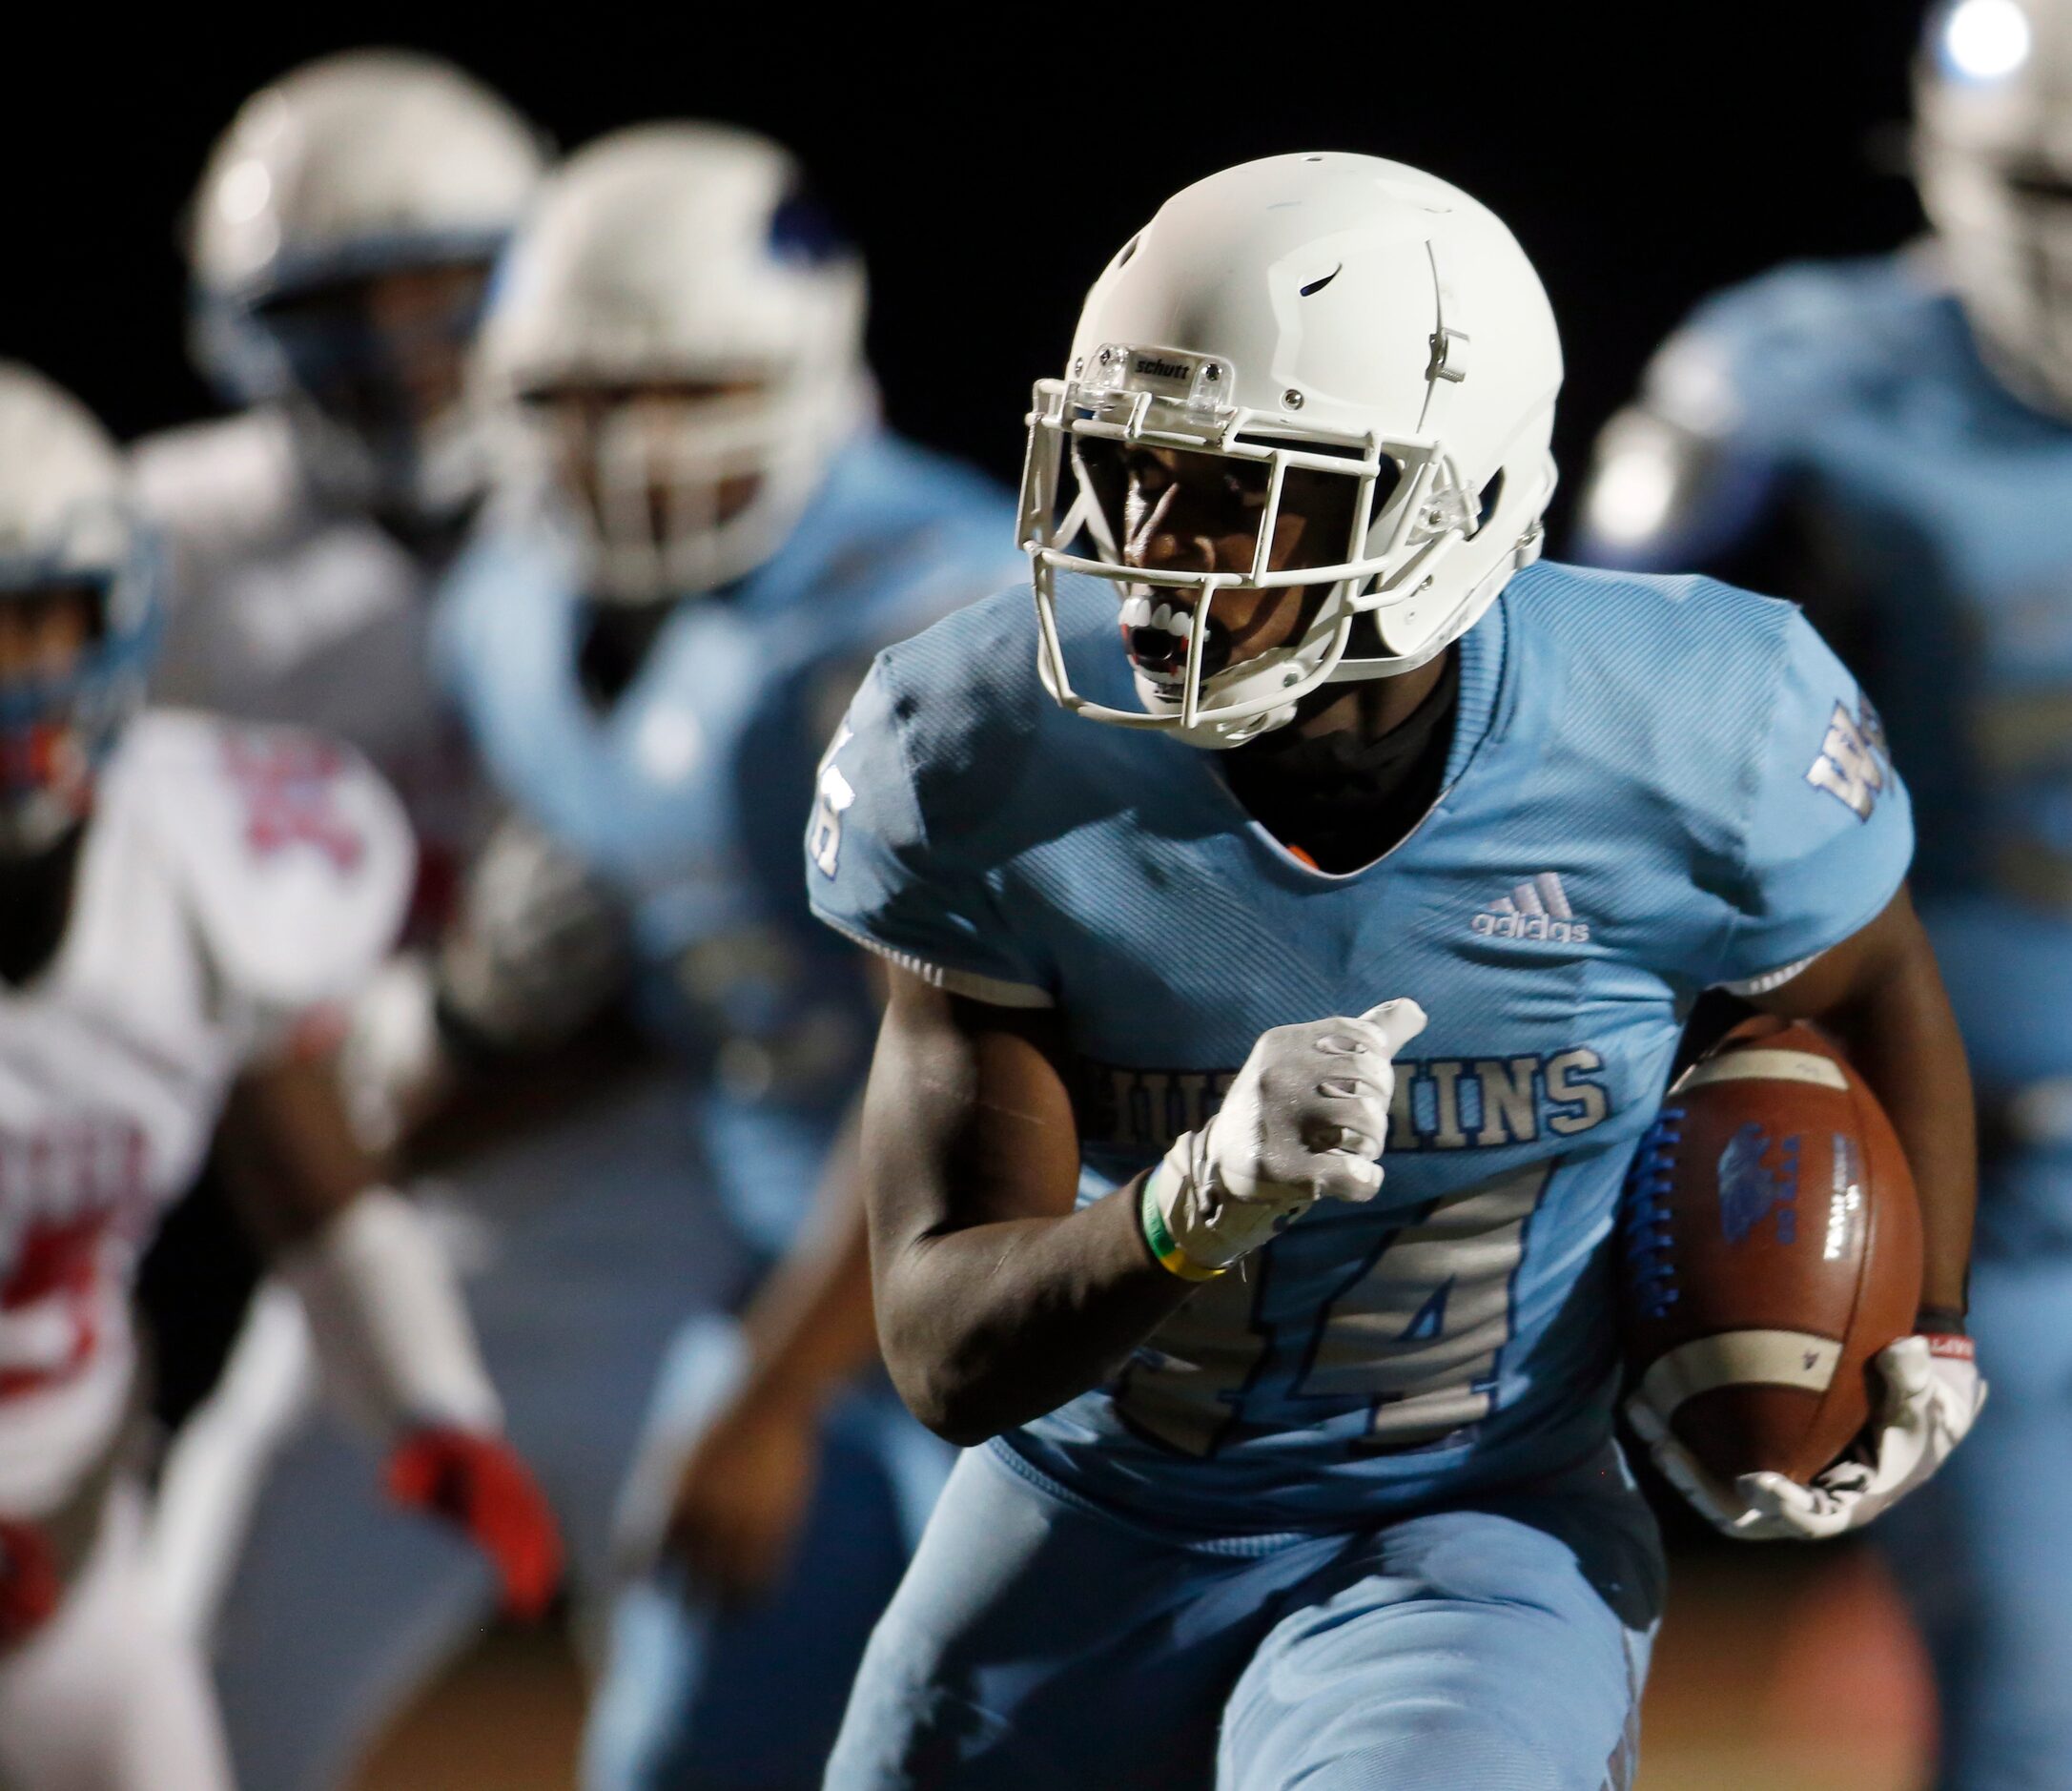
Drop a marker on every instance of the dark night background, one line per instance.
(990, 165)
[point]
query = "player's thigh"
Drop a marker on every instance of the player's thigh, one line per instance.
(1984, 1550)
(1036, 1643)
(696, 1698)
(1462, 1648)
(106, 1697)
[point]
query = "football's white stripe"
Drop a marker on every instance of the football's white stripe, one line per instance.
(1553, 895)
(1764, 1066)
(1736, 1358)
(1527, 900)
(1502, 906)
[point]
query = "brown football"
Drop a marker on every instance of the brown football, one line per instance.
(1772, 1247)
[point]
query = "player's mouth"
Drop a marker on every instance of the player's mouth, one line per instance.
(1157, 636)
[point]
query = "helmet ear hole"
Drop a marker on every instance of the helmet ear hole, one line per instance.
(1492, 495)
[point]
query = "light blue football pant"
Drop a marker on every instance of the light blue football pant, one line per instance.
(1038, 1642)
(1985, 1550)
(695, 1701)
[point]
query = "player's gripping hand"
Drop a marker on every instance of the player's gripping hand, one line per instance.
(1932, 1394)
(475, 1480)
(742, 1495)
(1304, 1121)
(30, 1587)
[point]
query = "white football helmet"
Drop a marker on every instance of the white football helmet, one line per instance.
(1993, 157)
(352, 166)
(65, 525)
(682, 254)
(1335, 315)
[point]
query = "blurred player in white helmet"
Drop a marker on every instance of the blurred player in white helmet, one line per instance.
(701, 533)
(1889, 441)
(339, 245)
(183, 904)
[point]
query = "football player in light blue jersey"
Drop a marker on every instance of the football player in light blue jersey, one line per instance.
(1890, 441)
(649, 646)
(1292, 1473)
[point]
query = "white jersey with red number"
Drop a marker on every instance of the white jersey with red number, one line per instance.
(283, 609)
(234, 878)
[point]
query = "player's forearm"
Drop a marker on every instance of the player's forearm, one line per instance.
(989, 1326)
(1884, 1000)
(1903, 1039)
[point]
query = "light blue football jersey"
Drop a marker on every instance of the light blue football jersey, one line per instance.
(686, 796)
(1851, 395)
(1655, 784)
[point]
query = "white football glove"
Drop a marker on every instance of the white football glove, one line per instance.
(1304, 1121)
(1932, 1396)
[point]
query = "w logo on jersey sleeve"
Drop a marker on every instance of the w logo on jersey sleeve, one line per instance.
(1855, 764)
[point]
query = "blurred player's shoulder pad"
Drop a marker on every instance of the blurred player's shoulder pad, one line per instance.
(1731, 401)
(930, 535)
(293, 858)
(224, 488)
(1772, 353)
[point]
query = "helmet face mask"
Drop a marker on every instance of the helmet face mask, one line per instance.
(373, 371)
(1398, 507)
(71, 673)
(78, 611)
(1363, 360)
(674, 487)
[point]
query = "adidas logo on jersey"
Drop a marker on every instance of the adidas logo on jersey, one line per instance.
(1537, 909)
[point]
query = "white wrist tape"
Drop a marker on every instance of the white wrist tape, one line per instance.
(386, 1318)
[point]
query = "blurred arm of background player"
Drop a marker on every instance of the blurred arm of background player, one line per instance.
(482, 1030)
(741, 1493)
(386, 1316)
(464, 1040)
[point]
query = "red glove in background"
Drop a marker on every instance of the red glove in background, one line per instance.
(30, 1588)
(476, 1482)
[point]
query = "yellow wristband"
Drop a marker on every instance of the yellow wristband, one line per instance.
(1171, 1257)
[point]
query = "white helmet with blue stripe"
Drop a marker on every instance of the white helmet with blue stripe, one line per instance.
(66, 533)
(702, 321)
(350, 168)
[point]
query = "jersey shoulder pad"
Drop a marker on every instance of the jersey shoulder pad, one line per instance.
(220, 489)
(293, 856)
(1720, 719)
(917, 811)
(968, 705)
